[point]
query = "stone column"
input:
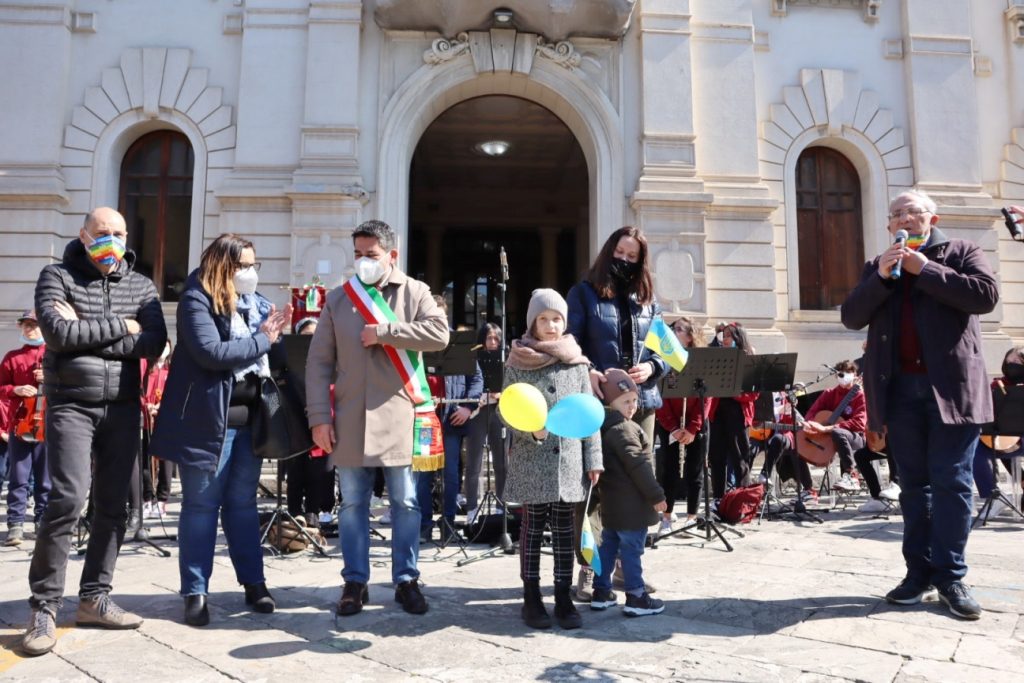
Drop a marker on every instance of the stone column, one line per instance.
(669, 200)
(35, 66)
(943, 100)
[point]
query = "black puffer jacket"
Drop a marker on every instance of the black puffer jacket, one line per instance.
(94, 359)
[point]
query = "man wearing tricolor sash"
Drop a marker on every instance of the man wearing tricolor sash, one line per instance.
(368, 345)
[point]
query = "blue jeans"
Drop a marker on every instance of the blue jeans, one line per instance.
(984, 467)
(453, 437)
(629, 546)
(230, 490)
(935, 462)
(29, 475)
(354, 522)
(425, 498)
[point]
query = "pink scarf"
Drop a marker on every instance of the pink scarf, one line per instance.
(532, 354)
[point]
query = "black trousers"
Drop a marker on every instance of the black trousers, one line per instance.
(864, 458)
(559, 517)
(676, 481)
(778, 452)
(310, 485)
(109, 433)
(846, 443)
(164, 474)
(729, 447)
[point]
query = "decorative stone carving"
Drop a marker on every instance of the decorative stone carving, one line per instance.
(1015, 15)
(871, 9)
(446, 49)
(356, 191)
(562, 53)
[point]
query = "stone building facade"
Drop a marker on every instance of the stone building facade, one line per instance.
(757, 142)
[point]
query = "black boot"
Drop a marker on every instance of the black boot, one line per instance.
(258, 597)
(533, 611)
(565, 610)
(196, 611)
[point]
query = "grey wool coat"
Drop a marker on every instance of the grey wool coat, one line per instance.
(555, 469)
(373, 414)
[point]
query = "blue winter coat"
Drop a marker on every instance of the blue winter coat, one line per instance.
(595, 324)
(460, 387)
(192, 421)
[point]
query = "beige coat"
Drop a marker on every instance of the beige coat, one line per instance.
(373, 414)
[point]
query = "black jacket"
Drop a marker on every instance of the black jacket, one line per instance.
(953, 289)
(629, 490)
(193, 417)
(94, 359)
(595, 324)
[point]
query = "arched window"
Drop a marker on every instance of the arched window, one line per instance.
(156, 201)
(829, 228)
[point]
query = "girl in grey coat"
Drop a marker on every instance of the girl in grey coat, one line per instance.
(548, 473)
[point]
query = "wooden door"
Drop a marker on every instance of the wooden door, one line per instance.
(830, 232)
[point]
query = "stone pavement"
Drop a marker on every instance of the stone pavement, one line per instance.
(794, 602)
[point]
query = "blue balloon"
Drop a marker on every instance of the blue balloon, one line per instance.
(575, 417)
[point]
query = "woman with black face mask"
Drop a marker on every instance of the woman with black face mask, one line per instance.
(610, 313)
(984, 456)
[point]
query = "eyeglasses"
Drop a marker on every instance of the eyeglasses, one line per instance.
(255, 264)
(913, 213)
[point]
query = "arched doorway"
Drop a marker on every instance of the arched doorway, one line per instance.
(490, 172)
(155, 197)
(830, 232)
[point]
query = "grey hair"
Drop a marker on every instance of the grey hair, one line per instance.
(922, 198)
(379, 230)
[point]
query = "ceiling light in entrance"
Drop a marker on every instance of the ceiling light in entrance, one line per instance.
(503, 17)
(493, 148)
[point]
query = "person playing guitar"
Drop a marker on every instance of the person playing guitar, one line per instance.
(846, 431)
(20, 375)
(781, 450)
(989, 446)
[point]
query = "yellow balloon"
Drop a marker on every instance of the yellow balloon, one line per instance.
(523, 407)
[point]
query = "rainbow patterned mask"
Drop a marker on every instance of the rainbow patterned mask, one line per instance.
(107, 250)
(915, 242)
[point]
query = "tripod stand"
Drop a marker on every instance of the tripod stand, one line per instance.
(705, 521)
(281, 514)
(489, 502)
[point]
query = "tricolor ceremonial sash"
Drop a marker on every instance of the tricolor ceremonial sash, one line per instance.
(427, 445)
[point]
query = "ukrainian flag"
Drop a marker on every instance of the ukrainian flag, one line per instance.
(663, 341)
(588, 543)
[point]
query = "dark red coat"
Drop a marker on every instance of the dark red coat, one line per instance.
(953, 289)
(670, 414)
(746, 402)
(15, 370)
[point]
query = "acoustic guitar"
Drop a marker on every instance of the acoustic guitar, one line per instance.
(1001, 444)
(818, 450)
(875, 441)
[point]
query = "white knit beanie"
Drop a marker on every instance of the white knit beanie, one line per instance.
(545, 300)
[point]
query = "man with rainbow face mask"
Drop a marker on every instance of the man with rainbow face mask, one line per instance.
(99, 318)
(925, 381)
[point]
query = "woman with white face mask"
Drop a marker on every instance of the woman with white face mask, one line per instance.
(225, 331)
(848, 430)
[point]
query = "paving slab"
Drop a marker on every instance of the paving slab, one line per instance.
(794, 602)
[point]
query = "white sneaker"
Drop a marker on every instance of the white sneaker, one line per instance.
(376, 502)
(873, 505)
(326, 518)
(891, 492)
(460, 500)
(471, 515)
(846, 483)
(665, 526)
(386, 517)
(762, 479)
(147, 510)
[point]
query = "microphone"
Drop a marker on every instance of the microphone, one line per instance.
(503, 260)
(901, 239)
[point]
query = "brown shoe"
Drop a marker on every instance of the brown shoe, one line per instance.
(101, 612)
(41, 634)
(353, 596)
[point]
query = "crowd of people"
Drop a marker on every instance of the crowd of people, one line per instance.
(96, 380)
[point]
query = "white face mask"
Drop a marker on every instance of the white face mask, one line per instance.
(845, 379)
(369, 270)
(246, 280)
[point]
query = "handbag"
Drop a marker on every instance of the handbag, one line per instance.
(279, 427)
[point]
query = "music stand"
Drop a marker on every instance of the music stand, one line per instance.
(709, 372)
(458, 358)
(1008, 407)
